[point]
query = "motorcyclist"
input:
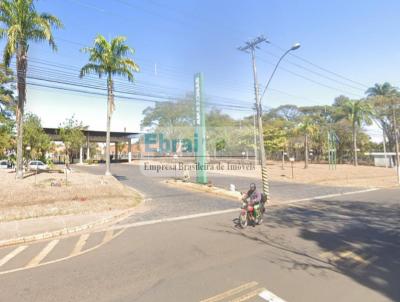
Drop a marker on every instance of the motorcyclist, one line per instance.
(252, 195)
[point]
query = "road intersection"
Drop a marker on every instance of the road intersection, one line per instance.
(184, 246)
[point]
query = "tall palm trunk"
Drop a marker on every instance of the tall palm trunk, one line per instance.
(22, 64)
(110, 102)
(305, 151)
(355, 145)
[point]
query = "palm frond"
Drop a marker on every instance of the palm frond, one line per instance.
(23, 24)
(92, 68)
(124, 71)
(131, 64)
(52, 20)
(7, 55)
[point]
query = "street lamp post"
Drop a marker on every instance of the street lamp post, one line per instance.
(264, 171)
(251, 46)
(294, 47)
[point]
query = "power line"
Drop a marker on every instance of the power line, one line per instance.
(316, 73)
(121, 97)
(64, 80)
(311, 80)
(140, 84)
(322, 68)
(184, 22)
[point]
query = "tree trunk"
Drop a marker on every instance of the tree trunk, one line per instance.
(355, 145)
(21, 84)
(110, 101)
(306, 151)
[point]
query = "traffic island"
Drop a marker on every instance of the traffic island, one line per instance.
(48, 205)
(205, 188)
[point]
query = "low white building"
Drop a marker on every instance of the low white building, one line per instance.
(382, 159)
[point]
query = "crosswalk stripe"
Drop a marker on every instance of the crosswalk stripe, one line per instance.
(231, 292)
(249, 295)
(45, 251)
(270, 297)
(80, 244)
(12, 254)
(108, 236)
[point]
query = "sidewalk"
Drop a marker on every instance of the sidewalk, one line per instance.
(19, 231)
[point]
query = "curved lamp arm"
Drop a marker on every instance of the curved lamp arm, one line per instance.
(294, 47)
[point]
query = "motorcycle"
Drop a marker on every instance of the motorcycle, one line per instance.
(251, 213)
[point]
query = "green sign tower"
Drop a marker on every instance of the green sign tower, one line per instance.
(200, 129)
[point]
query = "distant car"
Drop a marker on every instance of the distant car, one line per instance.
(37, 165)
(4, 164)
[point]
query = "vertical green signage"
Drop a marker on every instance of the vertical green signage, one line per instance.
(200, 129)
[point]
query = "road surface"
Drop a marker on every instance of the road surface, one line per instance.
(343, 248)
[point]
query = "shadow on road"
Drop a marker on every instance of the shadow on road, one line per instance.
(358, 238)
(361, 239)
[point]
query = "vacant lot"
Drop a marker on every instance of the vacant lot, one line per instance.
(343, 175)
(49, 194)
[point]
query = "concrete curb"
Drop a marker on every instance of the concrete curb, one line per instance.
(76, 229)
(65, 231)
(234, 195)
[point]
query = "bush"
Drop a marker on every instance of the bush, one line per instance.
(91, 161)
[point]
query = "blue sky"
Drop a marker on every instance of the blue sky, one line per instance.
(356, 39)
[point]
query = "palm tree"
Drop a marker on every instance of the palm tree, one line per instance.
(385, 89)
(357, 112)
(307, 128)
(23, 24)
(109, 59)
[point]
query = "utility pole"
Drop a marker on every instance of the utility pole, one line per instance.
(384, 147)
(255, 141)
(251, 47)
(396, 135)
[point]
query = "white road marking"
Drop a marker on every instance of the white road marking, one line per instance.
(80, 244)
(270, 297)
(45, 251)
(108, 236)
(230, 292)
(60, 259)
(185, 217)
(249, 295)
(12, 254)
(199, 215)
(325, 196)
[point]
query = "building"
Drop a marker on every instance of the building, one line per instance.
(382, 159)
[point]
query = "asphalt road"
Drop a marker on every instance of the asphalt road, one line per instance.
(338, 249)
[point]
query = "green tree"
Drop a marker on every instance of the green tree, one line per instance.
(307, 128)
(220, 128)
(357, 112)
(173, 119)
(383, 99)
(21, 25)
(385, 89)
(71, 135)
(6, 109)
(110, 58)
(35, 137)
(276, 135)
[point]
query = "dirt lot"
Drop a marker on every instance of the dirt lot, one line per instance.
(49, 195)
(344, 175)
